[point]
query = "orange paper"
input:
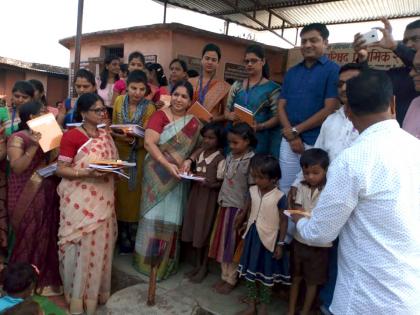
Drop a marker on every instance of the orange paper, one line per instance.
(200, 112)
(51, 133)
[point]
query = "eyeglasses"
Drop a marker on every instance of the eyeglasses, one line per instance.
(252, 61)
(98, 110)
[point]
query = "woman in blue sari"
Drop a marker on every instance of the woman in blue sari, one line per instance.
(259, 95)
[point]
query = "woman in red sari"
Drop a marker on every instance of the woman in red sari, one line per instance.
(88, 226)
(33, 203)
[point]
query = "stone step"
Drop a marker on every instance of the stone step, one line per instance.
(176, 295)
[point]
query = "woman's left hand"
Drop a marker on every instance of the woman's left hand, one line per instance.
(173, 170)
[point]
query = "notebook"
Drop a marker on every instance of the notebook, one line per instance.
(48, 170)
(113, 163)
(75, 125)
(51, 133)
(289, 213)
(192, 177)
(200, 112)
(244, 114)
(129, 129)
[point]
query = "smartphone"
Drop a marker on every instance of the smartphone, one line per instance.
(371, 37)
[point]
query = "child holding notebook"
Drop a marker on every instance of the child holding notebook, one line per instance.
(309, 262)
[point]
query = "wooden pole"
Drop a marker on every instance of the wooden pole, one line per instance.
(165, 7)
(78, 37)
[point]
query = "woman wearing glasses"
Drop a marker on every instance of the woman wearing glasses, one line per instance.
(132, 108)
(88, 226)
(209, 91)
(258, 94)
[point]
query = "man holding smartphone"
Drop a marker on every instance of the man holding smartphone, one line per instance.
(402, 83)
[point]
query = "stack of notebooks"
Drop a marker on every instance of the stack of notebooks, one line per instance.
(129, 129)
(200, 112)
(111, 166)
(75, 125)
(244, 114)
(49, 129)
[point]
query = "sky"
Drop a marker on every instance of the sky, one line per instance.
(30, 30)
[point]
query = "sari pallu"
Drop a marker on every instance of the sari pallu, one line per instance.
(34, 217)
(215, 97)
(262, 101)
(163, 200)
(87, 230)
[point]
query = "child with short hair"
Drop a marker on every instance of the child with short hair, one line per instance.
(309, 261)
(232, 200)
(20, 282)
(264, 235)
(202, 202)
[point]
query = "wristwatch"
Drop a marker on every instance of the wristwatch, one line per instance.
(295, 132)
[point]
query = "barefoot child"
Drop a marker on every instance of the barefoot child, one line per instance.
(232, 200)
(309, 261)
(202, 202)
(264, 235)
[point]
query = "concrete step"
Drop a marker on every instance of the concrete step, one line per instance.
(176, 295)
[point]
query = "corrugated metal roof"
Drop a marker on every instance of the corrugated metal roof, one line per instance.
(297, 13)
(38, 67)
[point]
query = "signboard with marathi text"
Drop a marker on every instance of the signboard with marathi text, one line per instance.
(235, 72)
(193, 63)
(378, 58)
(150, 58)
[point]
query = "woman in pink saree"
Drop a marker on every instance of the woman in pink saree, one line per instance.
(88, 229)
(33, 203)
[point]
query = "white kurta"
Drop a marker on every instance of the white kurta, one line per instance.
(337, 133)
(372, 202)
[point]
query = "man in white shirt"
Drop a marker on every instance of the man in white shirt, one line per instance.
(372, 202)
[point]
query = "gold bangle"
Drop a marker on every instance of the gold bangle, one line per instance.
(77, 173)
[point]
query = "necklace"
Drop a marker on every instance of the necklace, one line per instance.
(230, 178)
(88, 133)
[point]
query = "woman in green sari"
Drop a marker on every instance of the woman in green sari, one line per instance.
(170, 138)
